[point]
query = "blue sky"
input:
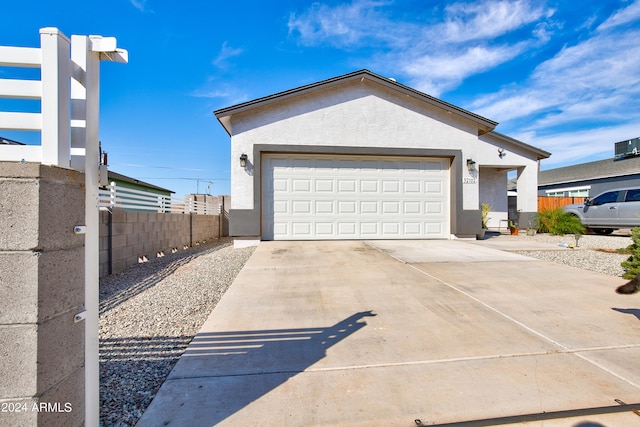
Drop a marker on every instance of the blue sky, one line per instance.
(560, 75)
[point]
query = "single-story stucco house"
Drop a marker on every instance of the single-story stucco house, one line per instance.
(361, 156)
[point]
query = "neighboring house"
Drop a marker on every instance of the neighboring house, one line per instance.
(593, 178)
(121, 181)
(361, 156)
(6, 141)
(154, 197)
(136, 184)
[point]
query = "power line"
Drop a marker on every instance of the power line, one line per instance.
(158, 167)
(191, 179)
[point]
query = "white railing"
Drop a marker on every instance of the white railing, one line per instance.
(117, 196)
(68, 121)
(68, 93)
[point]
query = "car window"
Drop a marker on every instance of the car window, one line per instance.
(633, 195)
(610, 197)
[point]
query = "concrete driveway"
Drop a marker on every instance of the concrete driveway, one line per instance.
(406, 333)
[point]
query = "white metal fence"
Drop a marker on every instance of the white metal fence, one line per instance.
(118, 196)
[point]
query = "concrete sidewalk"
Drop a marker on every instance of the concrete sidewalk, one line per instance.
(385, 333)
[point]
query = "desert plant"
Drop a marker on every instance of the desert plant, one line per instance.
(485, 208)
(632, 264)
(558, 222)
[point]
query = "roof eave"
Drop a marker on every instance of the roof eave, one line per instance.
(223, 115)
(540, 153)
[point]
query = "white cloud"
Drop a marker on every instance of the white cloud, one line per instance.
(436, 73)
(435, 54)
(580, 101)
(226, 52)
(141, 5)
(344, 25)
(624, 16)
(575, 146)
(593, 82)
(214, 89)
(486, 19)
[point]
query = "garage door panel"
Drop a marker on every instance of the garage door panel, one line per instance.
(301, 207)
(433, 208)
(324, 207)
(391, 207)
(301, 185)
(412, 228)
(433, 228)
(280, 185)
(369, 208)
(369, 186)
(391, 229)
(434, 187)
(325, 229)
(369, 229)
(301, 228)
(349, 197)
(347, 228)
(412, 186)
(347, 207)
(280, 229)
(412, 207)
(391, 186)
(346, 185)
(324, 185)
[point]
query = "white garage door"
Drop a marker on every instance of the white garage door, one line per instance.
(316, 197)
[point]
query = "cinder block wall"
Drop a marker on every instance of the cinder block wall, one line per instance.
(126, 236)
(41, 290)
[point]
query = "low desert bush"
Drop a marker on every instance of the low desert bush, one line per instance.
(632, 264)
(558, 222)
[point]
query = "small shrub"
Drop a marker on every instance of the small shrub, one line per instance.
(558, 222)
(485, 208)
(632, 264)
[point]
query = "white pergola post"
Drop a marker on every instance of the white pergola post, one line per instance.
(55, 97)
(86, 53)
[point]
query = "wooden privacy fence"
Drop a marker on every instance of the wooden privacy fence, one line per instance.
(546, 202)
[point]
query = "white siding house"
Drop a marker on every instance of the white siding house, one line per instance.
(360, 156)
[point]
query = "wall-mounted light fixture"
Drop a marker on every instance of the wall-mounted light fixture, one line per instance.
(471, 165)
(243, 160)
(501, 153)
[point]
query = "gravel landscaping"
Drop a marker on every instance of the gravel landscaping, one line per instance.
(589, 254)
(149, 314)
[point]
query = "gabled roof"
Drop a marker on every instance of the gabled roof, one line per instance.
(589, 171)
(7, 141)
(223, 115)
(125, 178)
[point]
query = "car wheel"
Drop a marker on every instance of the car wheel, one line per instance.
(603, 231)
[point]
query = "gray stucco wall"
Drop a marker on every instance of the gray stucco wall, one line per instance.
(42, 289)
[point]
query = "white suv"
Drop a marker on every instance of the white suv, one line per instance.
(609, 211)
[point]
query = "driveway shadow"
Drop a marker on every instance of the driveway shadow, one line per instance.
(634, 311)
(229, 370)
